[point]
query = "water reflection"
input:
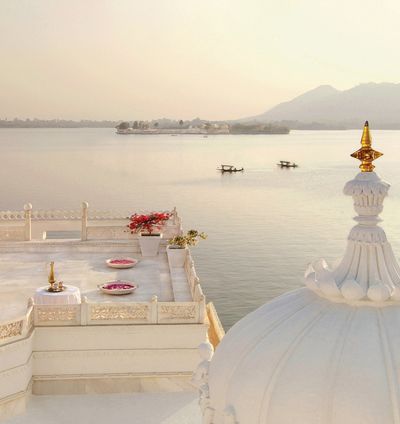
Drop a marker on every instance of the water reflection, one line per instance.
(264, 224)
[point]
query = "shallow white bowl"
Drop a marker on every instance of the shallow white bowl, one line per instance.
(121, 266)
(116, 290)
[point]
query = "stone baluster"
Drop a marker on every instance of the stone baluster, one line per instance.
(28, 221)
(174, 215)
(85, 206)
(154, 309)
(84, 310)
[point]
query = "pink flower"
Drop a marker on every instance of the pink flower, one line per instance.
(148, 223)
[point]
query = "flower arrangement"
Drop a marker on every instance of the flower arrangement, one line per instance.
(191, 238)
(148, 223)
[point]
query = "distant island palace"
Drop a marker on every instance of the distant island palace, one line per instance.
(202, 128)
(327, 353)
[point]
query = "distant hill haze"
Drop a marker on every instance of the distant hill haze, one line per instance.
(327, 107)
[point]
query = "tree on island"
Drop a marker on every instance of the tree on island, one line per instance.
(135, 125)
(122, 126)
(155, 124)
(181, 122)
(258, 128)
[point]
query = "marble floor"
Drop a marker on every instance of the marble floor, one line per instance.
(134, 408)
(22, 273)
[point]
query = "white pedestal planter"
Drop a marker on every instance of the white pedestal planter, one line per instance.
(176, 257)
(149, 244)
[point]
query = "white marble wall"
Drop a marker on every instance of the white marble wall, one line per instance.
(98, 359)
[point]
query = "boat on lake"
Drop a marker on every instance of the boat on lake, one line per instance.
(229, 168)
(287, 164)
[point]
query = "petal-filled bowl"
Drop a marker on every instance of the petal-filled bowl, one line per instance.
(121, 263)
(118, 287)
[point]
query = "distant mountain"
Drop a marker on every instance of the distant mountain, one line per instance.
(327, 107)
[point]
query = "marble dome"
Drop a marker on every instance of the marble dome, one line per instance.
(325, 353)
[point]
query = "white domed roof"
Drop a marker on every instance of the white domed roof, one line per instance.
(302, 359)
(325, 354)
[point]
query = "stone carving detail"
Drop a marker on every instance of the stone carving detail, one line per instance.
(56, 314)
(11, 330)
(12, 215)
(369, 271)
(114, 312)
(93, 215)
(176, 311)
(48, 215)
(200, 380)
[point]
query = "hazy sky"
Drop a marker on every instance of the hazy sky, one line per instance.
(216, 59)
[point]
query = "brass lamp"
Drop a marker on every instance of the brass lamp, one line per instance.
(54, 286)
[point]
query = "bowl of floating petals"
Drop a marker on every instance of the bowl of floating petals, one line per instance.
(121, 263)
(118, 287)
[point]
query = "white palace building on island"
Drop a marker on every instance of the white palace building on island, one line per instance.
(327, 353)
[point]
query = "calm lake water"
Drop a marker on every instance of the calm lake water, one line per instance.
(264, 225)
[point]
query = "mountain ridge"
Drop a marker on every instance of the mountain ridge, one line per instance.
(326, 107)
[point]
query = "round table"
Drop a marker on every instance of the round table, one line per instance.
(70, 296)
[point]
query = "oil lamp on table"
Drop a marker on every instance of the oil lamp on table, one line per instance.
(54, 286)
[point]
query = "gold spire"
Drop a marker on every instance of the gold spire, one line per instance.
(366, 154)
(52, 279)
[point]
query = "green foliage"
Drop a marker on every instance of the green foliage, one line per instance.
(257, 128)
(123, 126)
(191, 238)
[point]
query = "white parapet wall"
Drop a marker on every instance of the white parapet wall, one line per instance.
(107, 357)
(30, 224)
(147, 343)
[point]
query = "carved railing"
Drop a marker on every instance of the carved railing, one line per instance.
(56, 315)
(109, 313)
(104, 313)
(12, 215)
(92, 224)
(17, 328)
(122, 313)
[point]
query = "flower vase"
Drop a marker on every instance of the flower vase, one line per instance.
(149, 243)
(176, 256)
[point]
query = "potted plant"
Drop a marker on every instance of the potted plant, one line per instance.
(148, 227)
(178, 246)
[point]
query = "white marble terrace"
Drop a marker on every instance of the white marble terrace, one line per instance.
(143, 341)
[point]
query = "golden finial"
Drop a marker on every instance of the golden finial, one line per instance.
(366, 154)
(52, 278)
(54, 286)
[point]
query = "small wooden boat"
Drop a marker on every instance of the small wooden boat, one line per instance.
(229, 168)
(287, 164)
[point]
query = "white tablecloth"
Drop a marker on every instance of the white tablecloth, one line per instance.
(70, 296)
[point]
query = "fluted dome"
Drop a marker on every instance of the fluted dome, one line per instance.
(303, 359)
(328, 353)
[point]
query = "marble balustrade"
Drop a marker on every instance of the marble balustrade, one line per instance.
(92, 224)
(101, 347)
